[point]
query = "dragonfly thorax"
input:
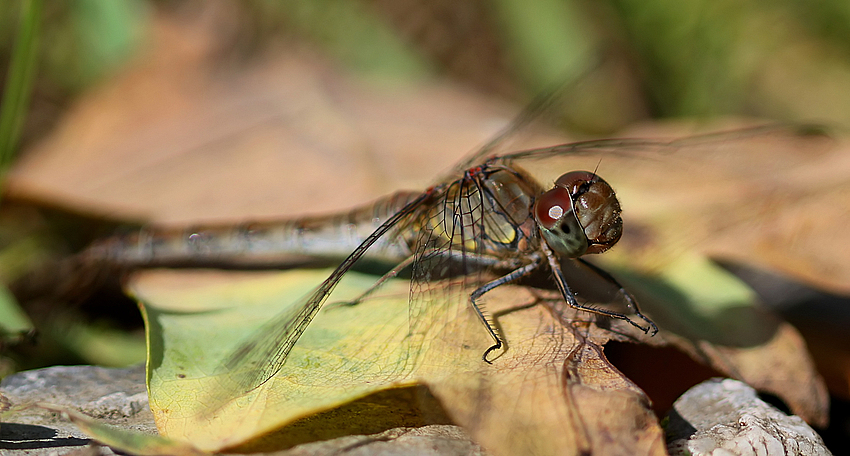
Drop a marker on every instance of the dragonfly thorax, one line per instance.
(486, 212)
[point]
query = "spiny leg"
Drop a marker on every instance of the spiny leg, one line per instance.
(483, 316)
(482, 260)
(568, 295)
(394, 272)
(630, 300)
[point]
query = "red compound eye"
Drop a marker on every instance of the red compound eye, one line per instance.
(552, 206)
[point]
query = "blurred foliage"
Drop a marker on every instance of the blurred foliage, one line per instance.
(349, 32)
(14, 323)
(79, 43)
(722, 57)
(786, 60)
(16, 92)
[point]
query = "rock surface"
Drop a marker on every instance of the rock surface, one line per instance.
(723, 417)
(117, 396)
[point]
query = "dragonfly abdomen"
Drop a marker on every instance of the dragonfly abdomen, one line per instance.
(258, 244)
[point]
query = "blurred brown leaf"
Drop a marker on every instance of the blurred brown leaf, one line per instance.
(770, 198)
(175, 139)
(773, 200)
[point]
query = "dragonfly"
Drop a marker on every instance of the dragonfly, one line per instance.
(488, 223)
(492, 225)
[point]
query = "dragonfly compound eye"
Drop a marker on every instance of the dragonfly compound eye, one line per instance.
(557, 220)
(551, 207)
(580, 215)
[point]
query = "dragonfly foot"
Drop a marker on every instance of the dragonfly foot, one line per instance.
(493, 347)
(650, 328)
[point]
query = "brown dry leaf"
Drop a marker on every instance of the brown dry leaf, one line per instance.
(552, 393)
(774, 201)
(771, 201)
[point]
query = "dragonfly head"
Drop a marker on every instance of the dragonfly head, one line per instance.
(580, 215)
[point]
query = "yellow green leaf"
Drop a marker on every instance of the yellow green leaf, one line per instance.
(348, 352)
(352, 358)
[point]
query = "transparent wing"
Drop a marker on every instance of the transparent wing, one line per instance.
(532, 123)
(264, 352)
(631, 146)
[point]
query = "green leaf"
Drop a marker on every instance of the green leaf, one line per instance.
(108, 33)
(547, 39)
(346, 353)
(355, 34)
(13, 320)
(99, 344)
(16, 93)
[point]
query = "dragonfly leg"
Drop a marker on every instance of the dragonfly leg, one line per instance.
(479, 259)
(630, 300)
(378, 283)
(568, 295)
(484, 316)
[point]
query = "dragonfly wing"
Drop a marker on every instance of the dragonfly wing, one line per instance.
(660, 148)
(533, 119)
(264, 352)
